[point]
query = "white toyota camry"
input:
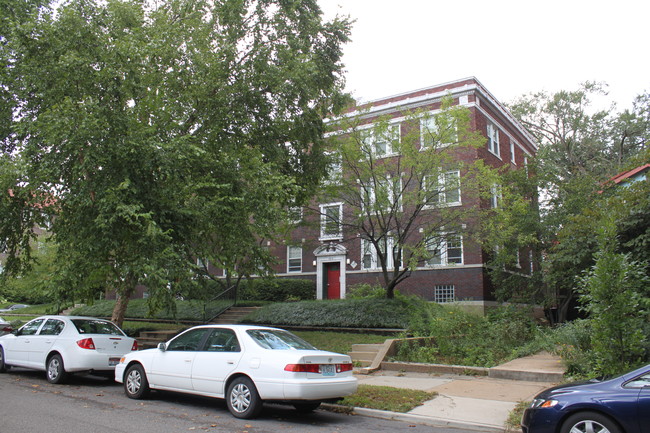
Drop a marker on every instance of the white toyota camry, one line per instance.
(245, 365)
(65, 344)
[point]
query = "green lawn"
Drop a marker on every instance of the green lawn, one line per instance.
(387, 398)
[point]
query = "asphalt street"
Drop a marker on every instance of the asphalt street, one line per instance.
(88, 404)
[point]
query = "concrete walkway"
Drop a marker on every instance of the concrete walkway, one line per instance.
(471, 402)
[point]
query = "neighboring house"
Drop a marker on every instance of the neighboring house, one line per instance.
(630, 176)
(319, 252)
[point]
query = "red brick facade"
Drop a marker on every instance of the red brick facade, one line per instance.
(458, 282)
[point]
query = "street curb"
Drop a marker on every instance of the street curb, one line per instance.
(411, 418)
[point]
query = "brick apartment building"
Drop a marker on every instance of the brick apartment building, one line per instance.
(336, 261)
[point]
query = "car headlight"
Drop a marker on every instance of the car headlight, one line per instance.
(542, 402)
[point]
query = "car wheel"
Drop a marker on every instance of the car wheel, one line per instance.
(3, 367)
(55, 370)
(242, 398)
(136, 384)
(307, 407)
(589, 422)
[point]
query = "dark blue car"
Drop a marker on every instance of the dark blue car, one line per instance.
(619, 405)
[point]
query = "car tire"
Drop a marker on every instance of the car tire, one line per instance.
(589, 421)
(3, 367)
(136, 385)
(242, 398)
(55, 370)
(307, 407)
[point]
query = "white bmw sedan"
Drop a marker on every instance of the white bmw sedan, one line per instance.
(60, 345)
(245, 365)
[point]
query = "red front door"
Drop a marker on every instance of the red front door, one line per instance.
(333, 280)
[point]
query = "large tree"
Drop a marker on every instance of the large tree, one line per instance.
(162, 132)
(400, 195)
(580, 148)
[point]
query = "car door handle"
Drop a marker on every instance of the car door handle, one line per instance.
(230, 362)
(188, 360)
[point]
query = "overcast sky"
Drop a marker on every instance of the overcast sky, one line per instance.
(511, 46)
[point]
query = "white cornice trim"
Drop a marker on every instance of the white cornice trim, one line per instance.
(430, 98)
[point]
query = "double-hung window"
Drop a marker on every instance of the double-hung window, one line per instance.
(294, 259)
(493, 139)
(438, 132)
(443, 189)
(331, 221)
(445, 250)
(384, 194)
(496, 196)
(334, 169)
(380, 141)
(370, 257)
(513, 159)
(295, 214)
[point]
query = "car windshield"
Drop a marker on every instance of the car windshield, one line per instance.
(278, 340)
(89, 326)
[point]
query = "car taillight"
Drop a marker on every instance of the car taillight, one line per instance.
(340, 368)
(135, 345)
(86, 343)
(303, 368)
(315, 368)
(7, 329)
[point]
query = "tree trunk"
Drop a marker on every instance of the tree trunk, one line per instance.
(123, 297)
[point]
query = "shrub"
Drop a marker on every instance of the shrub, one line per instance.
(346, 313)
(277, 290)
(467, 339)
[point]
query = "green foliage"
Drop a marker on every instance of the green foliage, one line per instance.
(276, 290)
(616, 294)
(159, 133)
(572, 342)
(140, 308)
(346, 313)
(463, 338)
(364, 291)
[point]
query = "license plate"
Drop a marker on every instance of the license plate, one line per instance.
(328, 370)
(112, 362)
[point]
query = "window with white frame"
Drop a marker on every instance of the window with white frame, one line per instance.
(295, 214)
(432, 133)
(294, 259)
(445, 250)
(386, 192)
(443, 189)
(381, 142)
(496, 196)
(202, 263)
(513, 159)
(444, 293)
(334, 169)
(330, 221)
(370, 258)
(493, 139)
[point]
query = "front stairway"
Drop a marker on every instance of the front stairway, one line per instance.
(233, 315)
(363, 354)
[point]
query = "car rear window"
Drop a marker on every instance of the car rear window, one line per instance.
(278, 340)
(85, 326)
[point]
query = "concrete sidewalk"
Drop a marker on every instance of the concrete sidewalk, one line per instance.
(471, 402)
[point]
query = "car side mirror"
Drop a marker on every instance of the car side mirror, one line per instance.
(162, 347)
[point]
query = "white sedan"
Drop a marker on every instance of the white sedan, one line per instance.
(245, 365)
(60, 345)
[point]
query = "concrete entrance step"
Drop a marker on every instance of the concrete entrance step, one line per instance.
(541, 367)
(364, 354)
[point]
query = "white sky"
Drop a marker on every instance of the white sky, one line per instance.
(512, 47)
